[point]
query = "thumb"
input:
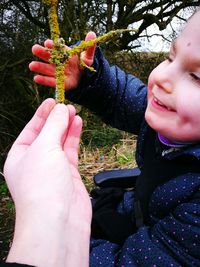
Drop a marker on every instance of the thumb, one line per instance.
(31, 131)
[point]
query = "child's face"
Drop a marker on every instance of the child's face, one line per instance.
(174, 88)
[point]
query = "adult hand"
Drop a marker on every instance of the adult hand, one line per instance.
(73, 70)
(53, 209)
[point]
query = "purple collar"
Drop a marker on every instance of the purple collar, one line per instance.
(170, 143)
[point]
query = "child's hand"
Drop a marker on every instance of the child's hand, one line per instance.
(73, 70)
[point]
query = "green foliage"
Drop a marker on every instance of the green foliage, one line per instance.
(125, 158)
(10, 205)
(3, 188)
(139, 64)
(100, 136)
(97, 134)
(5, 194)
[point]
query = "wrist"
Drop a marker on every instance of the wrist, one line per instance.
(47, 239)
(38, 240)
(78, 247)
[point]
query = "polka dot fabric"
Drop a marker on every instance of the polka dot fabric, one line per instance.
(173, 239)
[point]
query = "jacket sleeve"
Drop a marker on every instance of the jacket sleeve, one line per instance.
(173, 240)
(118, 98)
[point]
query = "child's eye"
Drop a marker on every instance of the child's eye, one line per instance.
(195, 77)
(168, 58)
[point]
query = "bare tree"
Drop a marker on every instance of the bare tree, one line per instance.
(79, 16)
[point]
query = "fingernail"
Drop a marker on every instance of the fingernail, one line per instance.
(60, 107)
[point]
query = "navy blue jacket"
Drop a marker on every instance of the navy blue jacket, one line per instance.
(173, 236)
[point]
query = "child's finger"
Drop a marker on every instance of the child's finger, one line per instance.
(51, 81)
(41, 52)
(43, 68)
(45, 80)
(90, 35)
(48, 44)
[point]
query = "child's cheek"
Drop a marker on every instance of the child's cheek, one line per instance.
(150, 84)
(186, 111)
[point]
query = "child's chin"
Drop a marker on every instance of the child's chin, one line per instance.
(151, 121)
(148, 117)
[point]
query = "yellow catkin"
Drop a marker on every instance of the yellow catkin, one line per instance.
(60, 81)
(58, 50)
(53, 18)
(60, 56)
(50, 2)
(77, 50)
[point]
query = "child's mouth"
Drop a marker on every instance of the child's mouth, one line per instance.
(159, 105)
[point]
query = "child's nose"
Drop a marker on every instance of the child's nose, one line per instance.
(167, 88)
(165, 79)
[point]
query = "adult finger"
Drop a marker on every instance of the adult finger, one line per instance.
(35, 125)
(72, 141)
(72, 113)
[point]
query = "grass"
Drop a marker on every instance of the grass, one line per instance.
(95, 159)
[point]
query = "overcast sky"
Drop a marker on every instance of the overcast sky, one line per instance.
(157, 43)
